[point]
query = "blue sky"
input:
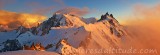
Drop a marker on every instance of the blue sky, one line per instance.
(118, 8)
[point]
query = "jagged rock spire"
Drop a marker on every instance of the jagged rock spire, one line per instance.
(111, 15)
(107, 14)
(103, 17)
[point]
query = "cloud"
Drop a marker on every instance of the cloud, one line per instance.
(43, 10)
(74, 11)
(39, 8)
(60, 2)
(64, 8)
(33, 4)
(144, 26)
(5, 2)
(14, 20)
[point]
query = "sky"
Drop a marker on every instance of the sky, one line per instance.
(95, 8)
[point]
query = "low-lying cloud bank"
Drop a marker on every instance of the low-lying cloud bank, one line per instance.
(144, 27)
(13, 20)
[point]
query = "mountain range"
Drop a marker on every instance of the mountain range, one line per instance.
(66, 34)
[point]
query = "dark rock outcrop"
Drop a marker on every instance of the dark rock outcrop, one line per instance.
(11, 45)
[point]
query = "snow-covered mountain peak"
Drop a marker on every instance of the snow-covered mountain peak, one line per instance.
(60, 19)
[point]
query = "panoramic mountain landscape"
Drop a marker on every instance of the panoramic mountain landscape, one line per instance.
(69, 27)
